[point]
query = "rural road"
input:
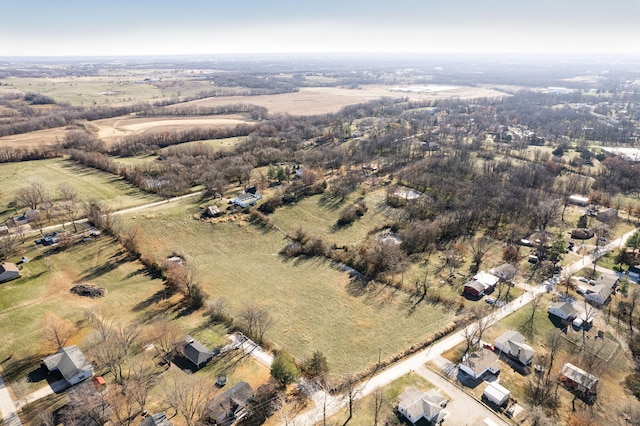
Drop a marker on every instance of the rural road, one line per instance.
(7, 407)
(412, 363)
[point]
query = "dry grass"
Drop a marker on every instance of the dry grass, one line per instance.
(315, 306)
(323, 100)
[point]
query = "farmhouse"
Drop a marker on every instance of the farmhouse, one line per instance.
(578, 380)
(563, 310)
(8, 271)
(505, 271)
(512, 344)
(71, 363)
(415, 405)
(196, 352)
(496, 394)
(481, 284)
(229, 407)
(478, 363)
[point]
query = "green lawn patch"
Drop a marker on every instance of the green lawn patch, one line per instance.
(89, 183)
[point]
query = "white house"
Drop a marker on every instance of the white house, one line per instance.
(416, 405)
(563, 310)
(8, 271)
(481, 284)
(478, 363)
(249, 197)
(512, 344)
(71, 363)
(496, 394)
(600, 293)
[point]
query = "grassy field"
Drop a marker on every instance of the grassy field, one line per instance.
(44, 287)
(319, 218)
(119, 88)
(89, 183)
(314, 305)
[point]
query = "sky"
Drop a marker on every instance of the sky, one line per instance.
(164, 27)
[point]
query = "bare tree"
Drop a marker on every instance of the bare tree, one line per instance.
(378, 403)
(70, 207)
(57, 331)
(602, 233)
(546, 213)
(478, 248)
(473, 332)
(8, 244)
(256, 320)
(182, 278)
(32, 195)
(188, 396)
(528, 326)
(164, 335)
(350, 395)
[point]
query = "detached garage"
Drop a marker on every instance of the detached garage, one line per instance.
(496, 394)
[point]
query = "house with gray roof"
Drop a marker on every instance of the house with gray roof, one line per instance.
(71, 363)
(478, 363)
(563, 310)
(229, 407)
(512, 344)
(158, 419)
(415, 406)
(196, 352)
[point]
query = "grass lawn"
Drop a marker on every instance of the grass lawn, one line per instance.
(89, 183)
(44, 287)
(364, 412)
(314, 305)
(319, 218)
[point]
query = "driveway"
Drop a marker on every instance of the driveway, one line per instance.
(463, 408)
(7, 407)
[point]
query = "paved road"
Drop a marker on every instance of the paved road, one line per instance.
(7, 407)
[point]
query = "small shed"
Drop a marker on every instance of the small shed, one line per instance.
(496, 394)
(8, 271)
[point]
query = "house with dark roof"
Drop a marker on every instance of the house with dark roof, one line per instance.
(512, 344)
(417, 406)
(8, 271)
(230, 406)
(158, 419)
(196, 352)
(71, 363)
(478, 363)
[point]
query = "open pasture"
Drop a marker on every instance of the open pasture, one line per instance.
(118, 88)
(88, 183)
(318, 217)
(314, 305)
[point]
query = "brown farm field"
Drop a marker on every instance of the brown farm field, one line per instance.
(324, 100)
(315, 306)
(110, 130)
